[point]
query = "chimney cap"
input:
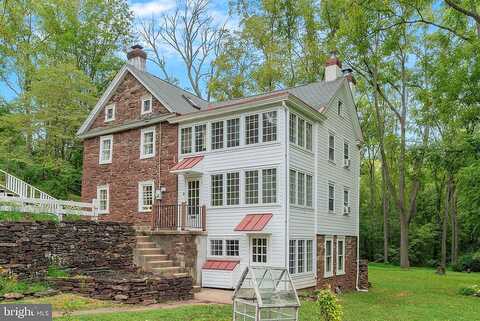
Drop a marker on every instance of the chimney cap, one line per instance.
(136, 46)
(333, 59)
(137, 51)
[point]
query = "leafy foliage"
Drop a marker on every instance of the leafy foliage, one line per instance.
(329, 308)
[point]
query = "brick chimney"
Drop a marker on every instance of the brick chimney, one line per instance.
(333, 67)
(348, 74)
(137, 57)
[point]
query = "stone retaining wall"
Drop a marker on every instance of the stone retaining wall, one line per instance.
(130, 290)
(29, 248)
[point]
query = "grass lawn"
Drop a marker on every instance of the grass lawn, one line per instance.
(417, 294)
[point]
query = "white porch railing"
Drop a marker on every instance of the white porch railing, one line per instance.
(51, 206)
(21, 188)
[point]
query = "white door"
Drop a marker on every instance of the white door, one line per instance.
(193, 203)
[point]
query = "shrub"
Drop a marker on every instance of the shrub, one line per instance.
(468, 262)
(330, 309)
(11, 284)
(473, 290)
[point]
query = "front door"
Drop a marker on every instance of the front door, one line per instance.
(193, 203)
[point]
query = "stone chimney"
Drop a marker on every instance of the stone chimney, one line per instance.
(137, 57)
(333, 67)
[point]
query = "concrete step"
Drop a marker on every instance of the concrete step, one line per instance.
(157, 264)
(155, 257)
(182, 275)
(171, 270)
(146, 245)
(148, 251)
(142, 238)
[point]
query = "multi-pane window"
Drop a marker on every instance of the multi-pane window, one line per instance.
(106, 147)
(269, 126)
(251, 187)
(328, 257)
(217, 135)
(186, 140)
(293, 187)
(251, 129)
(293, 128)
(340, 255)
(110, 113)
(259, 250)
(309, 255)
(309, 136)
(147, 142)
(103, 199)
(309, 191)
(301, 189)
(216, 247)
(301, 132)
(145, 196)
(346, 150)
(269, 185)
(292, 257)
(232, 247)
(233, 188)
(200, 138)
(146, 104)
(217, 190)
(301, 256)
(233, 132)
(331, 197)
(331, 147)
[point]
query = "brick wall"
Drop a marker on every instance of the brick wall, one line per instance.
(346, 281)
(127, 169)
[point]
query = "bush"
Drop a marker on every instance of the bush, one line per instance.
(468, 262)
(10, 284)
(330, 309)
(473, 290)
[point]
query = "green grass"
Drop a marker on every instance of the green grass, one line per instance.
(9, 285)
(70, 302)
(55, 271)
(417, 294)
(13, 216)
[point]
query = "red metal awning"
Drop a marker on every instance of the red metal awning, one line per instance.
(224, 265)
(254, 222)
(187, 163)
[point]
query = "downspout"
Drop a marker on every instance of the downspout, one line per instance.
(358, 232)
(286, 180)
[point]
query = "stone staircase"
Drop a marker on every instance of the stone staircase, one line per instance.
(152, 259)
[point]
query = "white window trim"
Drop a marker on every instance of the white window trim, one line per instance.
(331, 134)
(328, 197)
(305, 173)
(295, 144)
(340, 108)
(140, 195)
(305, 272)
(210, 247)
(325, 273)
(224, 247)
(146, 98)
(340, 271)
(346, 189)
(142, 141)
(99, 188)
(260, 236)
(102, 139)
(112, 107)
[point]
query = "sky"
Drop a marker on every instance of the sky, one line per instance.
(147, 8)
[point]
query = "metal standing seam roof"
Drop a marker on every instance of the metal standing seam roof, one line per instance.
(226, 265)
(187, 163)
(254, 222)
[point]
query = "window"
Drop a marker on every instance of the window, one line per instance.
(331, 147)
(251, 187)
(331, 197)
(200, 138)
(147, 142)
(301, 132)
(106, 148)
(293, 187)
(309, 191)
(328, 257)
(146, 105)
(340, 108)
(309, 136)
(293, 128)
(309, 255)
(233, 188)
(103, 199)
(110, 113)
(216, 247)
(269, 185)
(301, 256)
(301, 188)
(269, 126)
(346, 201)
(259, 250)
(217, 135)
(340, 255)
(217, 190)
(232, 247)
(292, 257)
(233, 132)
(251, 129)
(145, 196)
(346, 150)
(186, 140)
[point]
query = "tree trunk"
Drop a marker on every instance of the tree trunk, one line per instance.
(453, 214)
(443, 261)
(385, 217)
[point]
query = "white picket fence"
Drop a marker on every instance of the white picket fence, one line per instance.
(51, 206)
